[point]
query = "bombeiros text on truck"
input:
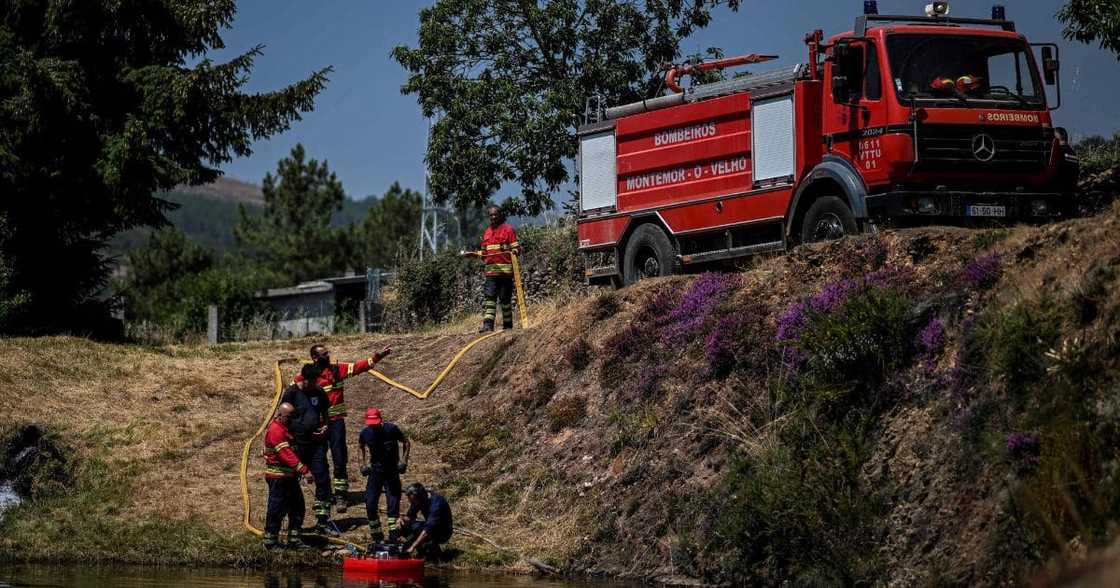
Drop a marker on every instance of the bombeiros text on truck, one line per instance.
(903, 119)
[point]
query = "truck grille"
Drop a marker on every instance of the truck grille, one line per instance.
(961, 148)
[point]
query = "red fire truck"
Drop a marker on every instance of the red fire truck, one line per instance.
(903, 119)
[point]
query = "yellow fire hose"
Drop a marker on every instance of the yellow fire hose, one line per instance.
(447, 370)
(279, 379)
(520, 292)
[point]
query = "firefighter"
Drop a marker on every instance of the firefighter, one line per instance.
(499, 241)
(425, 537)
(329, 377)
(383, 469)
(282, 473)
(309, 427)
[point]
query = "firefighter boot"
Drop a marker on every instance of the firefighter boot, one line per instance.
(487, 326)
(295, 539)
(394, 532)
(270, 541)
(375, 535)
(341, 489)
(326, 528)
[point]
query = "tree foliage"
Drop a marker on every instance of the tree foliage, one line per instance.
(293, 236)
(100, 107)
(507, 82)
(1092, 21)
(171, 281)
(392, 222)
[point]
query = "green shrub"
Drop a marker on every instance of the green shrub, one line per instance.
(798, 514)
(567, 412)
(604, 306)
(1016, 339)
(858, 346)
(578, 354)
(1098, 154)
(429, 290)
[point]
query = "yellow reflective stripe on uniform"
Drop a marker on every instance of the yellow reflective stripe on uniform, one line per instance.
(515, 244)
(493, 247)
(337, 409)
(281, 445)
(506, 267)
(349, 369)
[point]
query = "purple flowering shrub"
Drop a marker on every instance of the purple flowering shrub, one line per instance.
(1024, 449)
(931, 339)
(737, 340)
(823, 307)
(697, 308)
(984, 271)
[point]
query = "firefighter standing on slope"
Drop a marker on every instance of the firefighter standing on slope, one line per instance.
(383, 468)
(282, 472)
(329, 377)
(498, 243)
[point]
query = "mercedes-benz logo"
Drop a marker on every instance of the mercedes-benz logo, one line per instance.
(983, 147)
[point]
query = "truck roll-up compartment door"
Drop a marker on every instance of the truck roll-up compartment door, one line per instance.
(598, 188)
(773, 140)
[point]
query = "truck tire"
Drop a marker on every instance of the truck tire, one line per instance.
(827, 219)
(649, 253)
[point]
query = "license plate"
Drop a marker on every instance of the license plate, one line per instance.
(986, 211)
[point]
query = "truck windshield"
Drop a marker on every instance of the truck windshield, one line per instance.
(956, 70)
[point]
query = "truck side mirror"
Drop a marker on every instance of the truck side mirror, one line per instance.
(1050, 66)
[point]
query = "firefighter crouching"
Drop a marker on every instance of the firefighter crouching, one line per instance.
(423, 538)
(282, 472)
(308, 426)
(383, 470)
(329, 376)
(499, 241)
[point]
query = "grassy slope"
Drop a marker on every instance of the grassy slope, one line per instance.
(560, 463)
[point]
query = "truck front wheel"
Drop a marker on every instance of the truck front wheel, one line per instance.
(648, 254)
(827, 219)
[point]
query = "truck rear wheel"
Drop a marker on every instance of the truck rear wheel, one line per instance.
(828, 218)
(648, 254)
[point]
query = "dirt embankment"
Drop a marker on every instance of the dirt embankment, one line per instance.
(894, 409)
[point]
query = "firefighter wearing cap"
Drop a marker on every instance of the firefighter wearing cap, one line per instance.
(423, 538)
(308, 425)
(330, 378)
(383, 472)
(499, 243)
(283, 469)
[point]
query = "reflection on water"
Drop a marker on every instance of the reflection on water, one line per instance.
(114, 577)
(8, 497)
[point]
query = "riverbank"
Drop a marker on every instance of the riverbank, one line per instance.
(919, 406)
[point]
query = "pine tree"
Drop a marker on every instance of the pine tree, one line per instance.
(293, 235)
(103, 103)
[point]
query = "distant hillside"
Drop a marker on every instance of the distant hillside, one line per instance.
(208, 214)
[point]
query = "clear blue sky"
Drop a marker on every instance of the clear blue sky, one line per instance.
(372, 135)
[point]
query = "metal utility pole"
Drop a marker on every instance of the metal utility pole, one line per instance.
(433, 218)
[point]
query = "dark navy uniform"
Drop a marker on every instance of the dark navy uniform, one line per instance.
(384, 458)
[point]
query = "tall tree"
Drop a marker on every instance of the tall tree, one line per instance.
(293, 236)
(507, 80)
(391, 223)
(1091, 21)
(100, 107)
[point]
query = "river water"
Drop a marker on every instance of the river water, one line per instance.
(135, 577)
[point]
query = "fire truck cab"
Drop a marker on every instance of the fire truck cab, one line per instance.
(904, 119)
